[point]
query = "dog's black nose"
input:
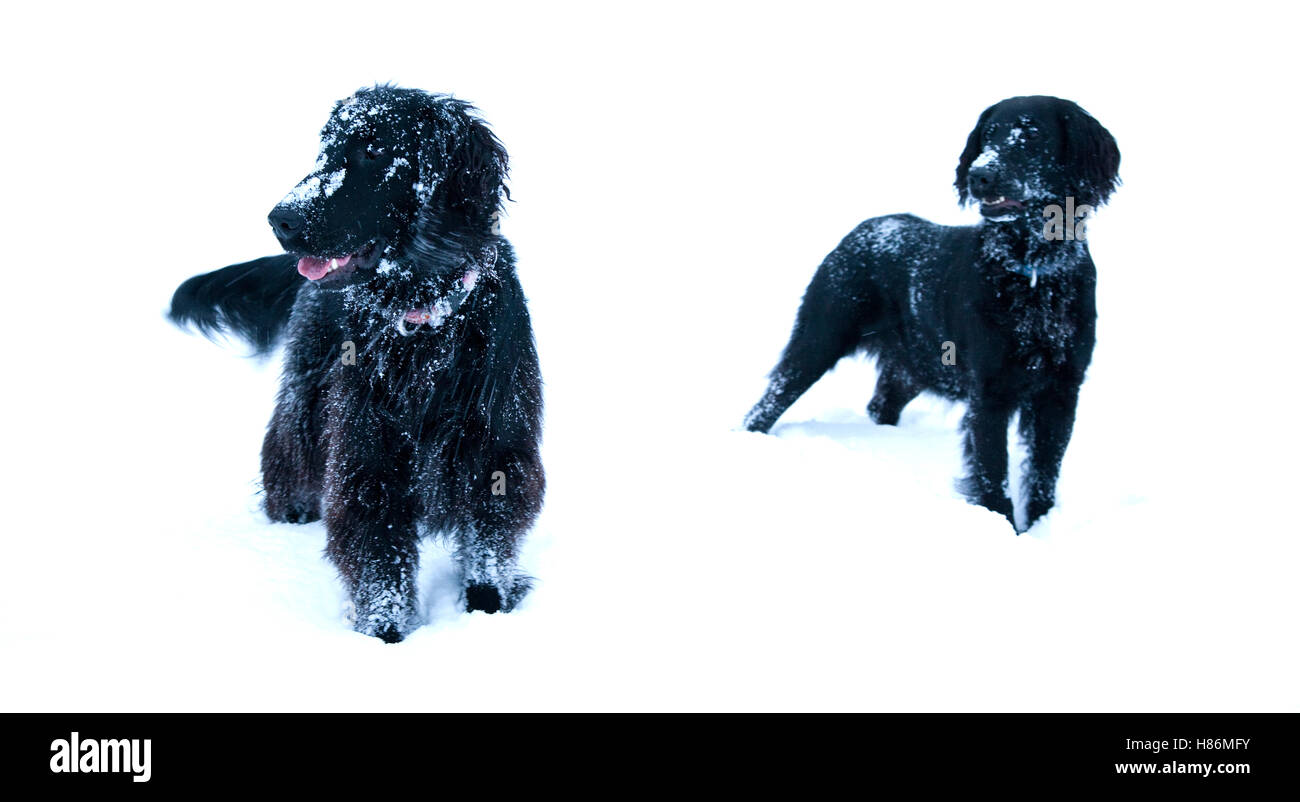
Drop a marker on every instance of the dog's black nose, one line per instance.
(980, 178)
(286, 222)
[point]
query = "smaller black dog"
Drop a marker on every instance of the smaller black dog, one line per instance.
(411, 401)
(1000, 315)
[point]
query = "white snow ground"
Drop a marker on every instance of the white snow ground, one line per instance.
(679, 173)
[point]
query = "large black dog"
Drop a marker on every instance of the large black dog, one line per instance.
(411, 399)
(1000, 315)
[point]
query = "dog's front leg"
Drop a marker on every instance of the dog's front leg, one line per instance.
(985, 430)
(1045, 425)
(370, 519)
(504, 500)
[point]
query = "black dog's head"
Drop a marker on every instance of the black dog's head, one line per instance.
(392, 161)
(1026, 152)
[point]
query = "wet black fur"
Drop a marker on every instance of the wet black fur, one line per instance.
(413, 437)
(1017, 307)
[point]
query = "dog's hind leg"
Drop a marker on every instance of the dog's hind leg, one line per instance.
(1046, 423)
(503, 504)
(290, 462)
(832, 321)
(292, 459)
(894, 390)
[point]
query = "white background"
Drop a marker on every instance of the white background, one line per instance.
(679, 172)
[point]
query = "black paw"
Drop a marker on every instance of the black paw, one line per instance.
(387, 621)
(1035, 509)
(482, 597)
(386, 630)
(882, 413)
(389, 634)
(763, 416)
(301, 515)
(292, 512)
(1000, 504)
(992, 500)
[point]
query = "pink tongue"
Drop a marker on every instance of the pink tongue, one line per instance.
(314, 268)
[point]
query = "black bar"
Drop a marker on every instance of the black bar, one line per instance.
(335, 751)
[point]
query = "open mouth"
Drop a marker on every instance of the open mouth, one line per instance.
(999, 205)
(331, 268)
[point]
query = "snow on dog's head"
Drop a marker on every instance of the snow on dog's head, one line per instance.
(392, 161)
(1026, 152)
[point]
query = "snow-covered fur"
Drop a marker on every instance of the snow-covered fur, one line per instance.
(390, 429)
(1000, 315)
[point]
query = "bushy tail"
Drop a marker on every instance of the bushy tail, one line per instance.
(252, 300)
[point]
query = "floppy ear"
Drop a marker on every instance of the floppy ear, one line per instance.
(477, 171)
(973, 147)
(462, 161)
(1091, 156)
